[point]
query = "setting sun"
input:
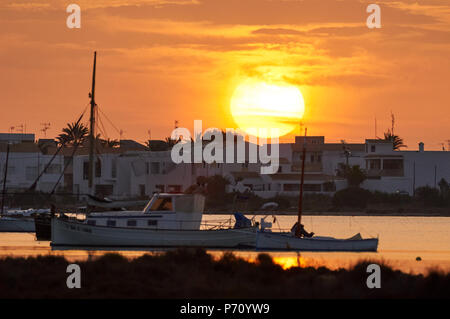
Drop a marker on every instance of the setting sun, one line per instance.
(258, 108)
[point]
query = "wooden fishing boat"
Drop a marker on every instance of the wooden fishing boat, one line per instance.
(169, 220)
(299, 240)
(288, 241)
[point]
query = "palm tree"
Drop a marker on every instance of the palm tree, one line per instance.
(109, 143)
(170, 142)
(397, 142)
(74, 134)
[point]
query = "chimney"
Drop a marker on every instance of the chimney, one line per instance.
(421, 147)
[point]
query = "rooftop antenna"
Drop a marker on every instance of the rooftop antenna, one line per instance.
(11, 129)
(176, 124)
(376, 127)
(46, 126)
(20, 128)
(149, 132)
(393, 123)
(121, 133)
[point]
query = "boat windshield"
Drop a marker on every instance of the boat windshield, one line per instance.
(162, 204)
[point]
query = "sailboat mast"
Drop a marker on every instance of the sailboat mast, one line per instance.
(300, 199)
(92, 129)
(4, 178)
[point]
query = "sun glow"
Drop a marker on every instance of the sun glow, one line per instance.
(258, 107)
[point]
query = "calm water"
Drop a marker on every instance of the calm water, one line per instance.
(401, 240)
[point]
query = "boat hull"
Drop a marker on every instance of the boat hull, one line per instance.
(14, 224)
(287, 242)
(43, 227)
(68, 234)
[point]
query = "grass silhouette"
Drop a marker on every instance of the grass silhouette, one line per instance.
(193, 273)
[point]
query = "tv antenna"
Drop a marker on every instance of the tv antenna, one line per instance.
(22, 128)
(45, 128)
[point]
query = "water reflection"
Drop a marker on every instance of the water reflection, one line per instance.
(402, 239)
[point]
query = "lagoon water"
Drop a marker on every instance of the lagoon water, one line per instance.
(401, 241)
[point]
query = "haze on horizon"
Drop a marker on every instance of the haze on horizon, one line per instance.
(166, 60)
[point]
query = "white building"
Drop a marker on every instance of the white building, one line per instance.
(25, 163)
(403, 171)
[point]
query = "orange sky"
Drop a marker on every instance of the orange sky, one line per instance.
(161, 60)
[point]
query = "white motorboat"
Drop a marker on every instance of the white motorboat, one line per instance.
(168, 220)
(266, 240)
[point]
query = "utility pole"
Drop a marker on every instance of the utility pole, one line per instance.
(92, 129)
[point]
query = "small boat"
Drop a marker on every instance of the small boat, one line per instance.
(20, 220)
(17, 224)
(168, 220)
(300, 240)
(287, 241)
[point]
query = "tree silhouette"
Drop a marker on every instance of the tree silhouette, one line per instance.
(74, 134)
(397, 142)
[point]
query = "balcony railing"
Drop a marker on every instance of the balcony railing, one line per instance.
(309, 167)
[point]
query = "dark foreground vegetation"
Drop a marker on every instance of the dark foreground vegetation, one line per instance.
(195, 274)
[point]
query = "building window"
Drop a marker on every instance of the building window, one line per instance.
(111, 223)
(98, 168)
(291, 187)
(85, 170)
(152, 222)
(312, 187)
(142, 189)
(374, 164)
(114, 168)
(131, 223)
(319, 158)
(372, 148)
(154, 168)
(392, 164)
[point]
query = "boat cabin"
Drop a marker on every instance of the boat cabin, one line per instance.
(163, 211)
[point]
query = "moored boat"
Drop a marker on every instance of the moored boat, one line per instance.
(287, 241)
(17, 224)
(300, 240)
(168, 220)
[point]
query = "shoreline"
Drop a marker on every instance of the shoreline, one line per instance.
(335, 213)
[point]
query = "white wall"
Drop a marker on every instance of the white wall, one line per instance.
(23, 169)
